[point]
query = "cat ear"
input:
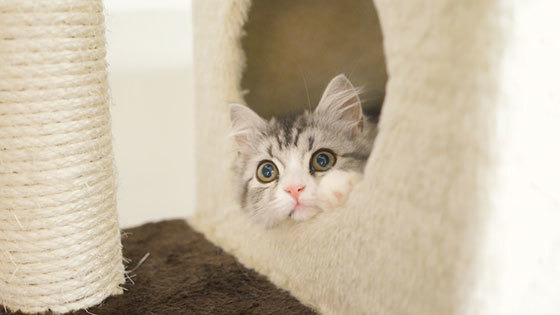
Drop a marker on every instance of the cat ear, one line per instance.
(341, 100)
(244, 121)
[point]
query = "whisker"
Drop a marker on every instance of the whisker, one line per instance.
(306, 89)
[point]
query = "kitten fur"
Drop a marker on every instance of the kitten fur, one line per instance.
(337, 124)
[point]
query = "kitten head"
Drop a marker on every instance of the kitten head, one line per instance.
(298, 166)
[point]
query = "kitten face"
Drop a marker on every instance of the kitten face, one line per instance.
(299, 166)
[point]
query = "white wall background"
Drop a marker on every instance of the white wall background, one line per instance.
(150, 62)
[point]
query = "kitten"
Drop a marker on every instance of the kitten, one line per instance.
(299, 166)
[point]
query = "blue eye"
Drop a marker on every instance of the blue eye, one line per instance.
(322, 160)
(267, 172)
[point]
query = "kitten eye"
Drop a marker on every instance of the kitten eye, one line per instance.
(322, 160)
(267, 171)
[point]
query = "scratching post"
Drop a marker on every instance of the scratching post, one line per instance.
(60, 244)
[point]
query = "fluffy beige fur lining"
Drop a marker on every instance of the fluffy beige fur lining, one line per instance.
(459, 209)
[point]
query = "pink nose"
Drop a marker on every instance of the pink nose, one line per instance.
(294, 190)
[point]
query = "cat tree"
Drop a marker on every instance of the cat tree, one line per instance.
(459, 208)
(60, 247)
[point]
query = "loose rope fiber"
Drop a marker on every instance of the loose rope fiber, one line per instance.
(60, 246)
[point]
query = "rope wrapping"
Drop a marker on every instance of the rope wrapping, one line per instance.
(60, 247)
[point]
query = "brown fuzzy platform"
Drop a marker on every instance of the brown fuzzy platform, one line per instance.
(186, 274)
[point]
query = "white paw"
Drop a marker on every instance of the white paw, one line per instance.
(336, 186)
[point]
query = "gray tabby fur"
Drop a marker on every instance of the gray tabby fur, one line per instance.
(337, 124)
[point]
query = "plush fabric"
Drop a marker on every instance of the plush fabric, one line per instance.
(186, 274)
(459, 208)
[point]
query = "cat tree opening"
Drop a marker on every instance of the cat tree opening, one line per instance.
(293, 48)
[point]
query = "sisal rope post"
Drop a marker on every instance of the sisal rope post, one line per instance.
(60, 246)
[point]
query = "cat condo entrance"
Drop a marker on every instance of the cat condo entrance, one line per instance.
(293, 48)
